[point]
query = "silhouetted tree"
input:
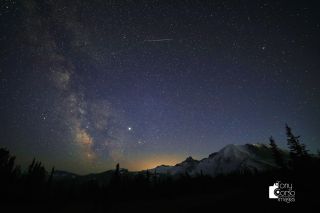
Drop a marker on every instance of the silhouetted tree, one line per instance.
(8, 170)
(278, 157)
(51, 176)
(298, 152)
(155, 180)
(148, 176)
(115, 180)
(36, 173)
(117, 172)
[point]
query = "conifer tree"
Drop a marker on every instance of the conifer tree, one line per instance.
(298, 152)
(278, 157)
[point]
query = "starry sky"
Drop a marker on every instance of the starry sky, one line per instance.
(87, 84)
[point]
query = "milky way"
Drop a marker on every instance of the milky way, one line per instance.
(88, 84)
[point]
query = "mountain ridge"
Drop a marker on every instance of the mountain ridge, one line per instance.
(230, 159)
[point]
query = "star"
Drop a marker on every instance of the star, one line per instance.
(186, 83)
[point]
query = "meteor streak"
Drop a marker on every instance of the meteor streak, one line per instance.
(158, 40)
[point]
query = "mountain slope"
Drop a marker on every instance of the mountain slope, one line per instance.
(231, 158)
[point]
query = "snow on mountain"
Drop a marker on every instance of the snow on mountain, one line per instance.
(187, 165)
(231, 158)
(237, 158)
(58, 174)
(163, 169)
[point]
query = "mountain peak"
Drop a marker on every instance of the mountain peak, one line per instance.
(189, 159)
(213, 154)
(231, 158)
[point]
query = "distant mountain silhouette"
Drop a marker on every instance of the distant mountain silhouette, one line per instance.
(230, 159)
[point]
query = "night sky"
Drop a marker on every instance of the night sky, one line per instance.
(87, 84)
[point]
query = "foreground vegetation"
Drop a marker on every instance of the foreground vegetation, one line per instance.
(38, 190)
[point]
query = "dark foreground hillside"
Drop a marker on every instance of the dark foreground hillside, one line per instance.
(291, 184)
(145, 192)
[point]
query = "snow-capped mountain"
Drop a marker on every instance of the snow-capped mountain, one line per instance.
(188, 165)
(58, 174)
(231, 158)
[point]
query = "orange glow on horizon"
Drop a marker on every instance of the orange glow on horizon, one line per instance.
(151, 162)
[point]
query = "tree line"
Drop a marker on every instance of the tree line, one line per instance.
(37, 184)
